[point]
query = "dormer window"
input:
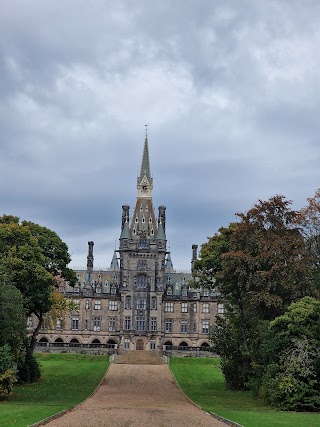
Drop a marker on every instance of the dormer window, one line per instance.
(169, 291)
(141, 208)
(152, 232)
(143, 220)
(136, 220)
(147, 208)
(134, 231)
(150, 220)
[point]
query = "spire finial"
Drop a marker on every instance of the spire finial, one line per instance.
(146, 126)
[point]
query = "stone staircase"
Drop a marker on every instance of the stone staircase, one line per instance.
(138, 357)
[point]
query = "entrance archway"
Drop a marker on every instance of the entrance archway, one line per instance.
(139, 345)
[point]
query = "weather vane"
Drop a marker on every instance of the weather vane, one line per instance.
(146, 131)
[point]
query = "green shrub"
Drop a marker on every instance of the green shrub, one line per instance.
(7, 380)
(7, 371)
(28, 369)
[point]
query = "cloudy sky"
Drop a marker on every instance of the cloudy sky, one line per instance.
(230, 91)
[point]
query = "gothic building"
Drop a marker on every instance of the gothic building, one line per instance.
(141, 302)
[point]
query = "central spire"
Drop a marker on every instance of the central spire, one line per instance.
(145, 181)
(145, 164)
(144, 224)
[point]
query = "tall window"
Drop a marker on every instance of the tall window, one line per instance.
(193, 307)
(75, 323)
(141, 304)
(113, 305)
(112, 324)
(141, 323)
(59, 325)
(128, 302)
(220, 308)
(205, 326)
(184, 307)
(154, 303)
(141, 281)
(184, 326)
(205, 307)
(205, 292)
(143, 244)
(86, 324)
(127, 343)
(127, 323)
(142, 264)
(168, 326)
(87, 305)
(96, 324)
(168, 307)
(194, 327)
(97, 304)
(153, 324)
(152, 344)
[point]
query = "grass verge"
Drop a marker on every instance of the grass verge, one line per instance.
(67, 380)
(203, 382)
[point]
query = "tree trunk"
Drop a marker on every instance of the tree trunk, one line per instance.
(35, 332)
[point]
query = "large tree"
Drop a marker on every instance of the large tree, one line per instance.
(12, 335)
(291, 378)
(309, 219)
(259, 267)
(31, 256)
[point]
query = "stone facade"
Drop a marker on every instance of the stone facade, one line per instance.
(141, 302)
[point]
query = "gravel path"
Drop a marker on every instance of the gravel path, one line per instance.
(137, 396)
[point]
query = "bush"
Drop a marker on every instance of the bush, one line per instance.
(7, 371)
(28, 369)
(7, 380)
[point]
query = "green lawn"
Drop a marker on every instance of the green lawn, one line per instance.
(67, 379)
(203, 383)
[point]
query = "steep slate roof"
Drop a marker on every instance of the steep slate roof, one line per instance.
(145, 164)
(114, 263)
(169, 265)
(160, 234)
(125, 233)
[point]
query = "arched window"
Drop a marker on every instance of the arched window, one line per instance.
(183, 344)
(142, 281)
(74, 342)
(168, 345)
(128, 302)
(58, 342)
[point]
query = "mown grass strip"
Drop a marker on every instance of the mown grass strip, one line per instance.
(203, 382)
(67, 380)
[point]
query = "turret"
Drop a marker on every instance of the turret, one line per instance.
(194, 255)
(90, 258)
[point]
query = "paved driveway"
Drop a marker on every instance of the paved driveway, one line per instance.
(137, 396)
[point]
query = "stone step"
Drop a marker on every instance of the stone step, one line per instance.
(139, 357)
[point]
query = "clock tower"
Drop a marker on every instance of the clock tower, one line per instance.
(142, 250)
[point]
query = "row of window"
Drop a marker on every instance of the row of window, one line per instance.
(185, 327)
(185, 307)
(141, 305)
(140, 324)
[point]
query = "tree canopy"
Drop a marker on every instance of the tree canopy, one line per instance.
(259, 265)
(31, 256)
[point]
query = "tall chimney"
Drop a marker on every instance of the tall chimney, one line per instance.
(90, 257)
